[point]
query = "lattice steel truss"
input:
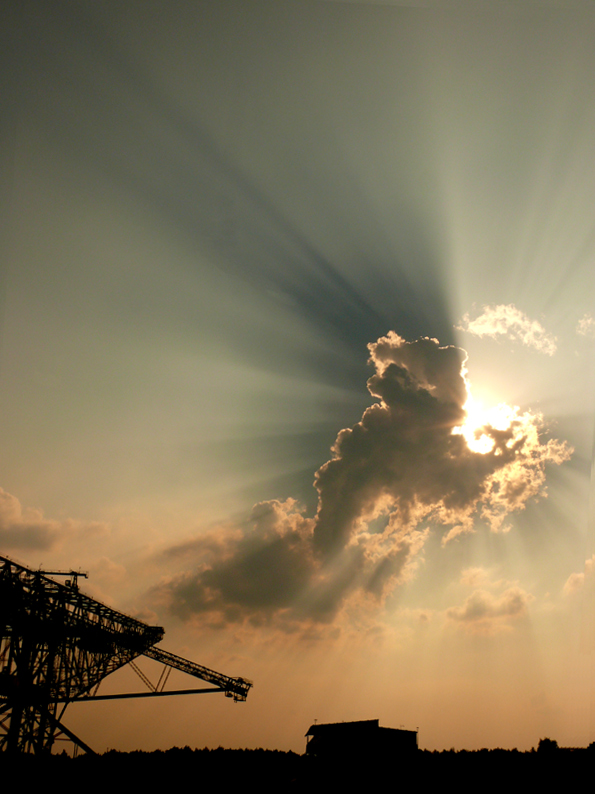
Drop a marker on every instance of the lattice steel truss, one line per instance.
(57, 645)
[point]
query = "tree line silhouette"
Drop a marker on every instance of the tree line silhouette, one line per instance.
(276, 770)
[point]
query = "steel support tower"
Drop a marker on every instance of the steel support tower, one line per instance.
(57, 645)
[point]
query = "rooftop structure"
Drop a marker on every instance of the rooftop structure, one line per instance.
(358, 739)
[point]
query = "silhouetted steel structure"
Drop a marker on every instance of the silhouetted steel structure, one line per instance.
(57, 645)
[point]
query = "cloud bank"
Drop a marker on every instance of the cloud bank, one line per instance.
(404, 469)
(29, 529)
(508, 321)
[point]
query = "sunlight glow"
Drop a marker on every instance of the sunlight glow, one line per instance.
(499, 417)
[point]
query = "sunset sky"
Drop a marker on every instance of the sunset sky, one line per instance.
(297, 355)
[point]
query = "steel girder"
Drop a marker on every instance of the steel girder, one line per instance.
(236, 688)
(56, 644)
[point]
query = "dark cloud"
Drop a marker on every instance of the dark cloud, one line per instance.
(410, 459)
(268, 569)
(401, 454)
(265, 568)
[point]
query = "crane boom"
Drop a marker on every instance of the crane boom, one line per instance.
(237, 688)
(56, 647)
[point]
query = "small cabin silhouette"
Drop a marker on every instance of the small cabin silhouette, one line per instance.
(357, 739)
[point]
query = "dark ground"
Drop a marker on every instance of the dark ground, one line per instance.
(273, 770)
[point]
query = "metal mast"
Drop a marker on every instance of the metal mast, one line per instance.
(57, 645)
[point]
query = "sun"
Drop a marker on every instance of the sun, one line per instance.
(478, 419)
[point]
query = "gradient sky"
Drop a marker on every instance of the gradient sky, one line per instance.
(221, 219)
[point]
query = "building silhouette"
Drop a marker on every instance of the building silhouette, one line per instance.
(363, 739)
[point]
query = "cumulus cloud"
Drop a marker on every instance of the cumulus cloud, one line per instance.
(407, 466)
(507, 320)
(271, 570)
(586, 326)
(487, 613)
(492, 605)
(29, 529)
(262, 569)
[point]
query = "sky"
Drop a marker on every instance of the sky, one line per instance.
(296, 355)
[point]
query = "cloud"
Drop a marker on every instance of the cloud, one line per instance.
(404, 467)
(474, 577)
(271, 570)
(508, 321)
(28, 529)
(486, 613)
(576, 581)
(262, 569)
(408, 458)
(586, 326)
